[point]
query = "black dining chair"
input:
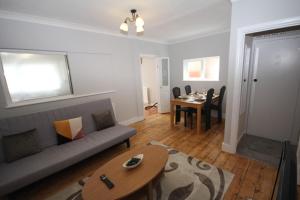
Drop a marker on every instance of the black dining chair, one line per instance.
(188, 89)
(206, 110)
(218, 105)
(179, 109)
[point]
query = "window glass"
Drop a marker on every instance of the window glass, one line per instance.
(33, 76)
(201, 69)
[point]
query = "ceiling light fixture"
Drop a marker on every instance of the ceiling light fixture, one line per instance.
(139, 22)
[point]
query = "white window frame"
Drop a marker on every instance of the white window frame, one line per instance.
(186, 61)
(5, 90)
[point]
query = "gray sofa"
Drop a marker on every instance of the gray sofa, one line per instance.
(55, 157)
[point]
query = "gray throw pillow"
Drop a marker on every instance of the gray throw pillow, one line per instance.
(103, 120)
(20, 145)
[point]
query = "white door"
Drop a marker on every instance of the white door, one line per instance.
(164, 85)
(275, 87)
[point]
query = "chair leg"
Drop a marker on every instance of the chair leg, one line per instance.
(191, 120)
(220, 115)
(190, 116)
(177, 116)
(207, 120)
(184, 119)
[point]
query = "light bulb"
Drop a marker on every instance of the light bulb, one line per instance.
(139, 29)
(124, 27)
(139, 22)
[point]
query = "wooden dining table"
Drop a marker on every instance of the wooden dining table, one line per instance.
(191, 102)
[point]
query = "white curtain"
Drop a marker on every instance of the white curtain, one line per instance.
(32, 76)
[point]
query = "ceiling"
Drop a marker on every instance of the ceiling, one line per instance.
(165, 20)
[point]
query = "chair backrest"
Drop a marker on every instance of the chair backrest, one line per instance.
(209, 97)
(176, 92)
(188, 89)
(221, 95)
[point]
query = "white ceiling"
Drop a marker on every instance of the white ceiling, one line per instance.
(165, 20)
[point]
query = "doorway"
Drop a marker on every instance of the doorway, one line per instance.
(155, 78)
(149, 77)
(270, 94)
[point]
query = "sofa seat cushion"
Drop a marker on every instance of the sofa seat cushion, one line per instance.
(32, 168)
(113, 135)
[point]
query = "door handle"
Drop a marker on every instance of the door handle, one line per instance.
(255, 80)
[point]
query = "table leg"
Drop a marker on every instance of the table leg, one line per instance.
(198, 122)
(150, 190)
(172, 114)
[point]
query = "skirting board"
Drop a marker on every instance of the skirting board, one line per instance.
(132, 120)
(228, 148)
(141, 118)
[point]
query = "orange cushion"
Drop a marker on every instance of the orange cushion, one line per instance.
(68, 130)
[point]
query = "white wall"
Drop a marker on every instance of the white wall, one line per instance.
(149, 77)
(124, 55)
(248, 13)
(214, 45)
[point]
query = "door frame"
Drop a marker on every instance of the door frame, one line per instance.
(233, 118)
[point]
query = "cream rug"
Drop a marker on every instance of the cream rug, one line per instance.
(185, 177)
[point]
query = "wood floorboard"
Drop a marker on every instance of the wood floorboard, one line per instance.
(252, 180)
(239, 170)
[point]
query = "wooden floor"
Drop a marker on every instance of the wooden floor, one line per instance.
(252, 180)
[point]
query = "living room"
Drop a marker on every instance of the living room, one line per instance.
(99, 93)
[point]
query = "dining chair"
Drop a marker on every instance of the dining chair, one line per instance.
(179, 109)
(206, 110)
(188, 89)
(218, 105)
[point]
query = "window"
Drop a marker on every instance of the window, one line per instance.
(31, 76)
(201, 69)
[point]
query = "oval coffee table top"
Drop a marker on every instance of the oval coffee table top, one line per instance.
(126, 181)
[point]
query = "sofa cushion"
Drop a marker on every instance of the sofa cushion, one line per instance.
(114, 135)
(23, 172)
(20, 145)
(68, 130)
(103, 120)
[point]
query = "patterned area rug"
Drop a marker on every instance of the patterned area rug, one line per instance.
(185, 177)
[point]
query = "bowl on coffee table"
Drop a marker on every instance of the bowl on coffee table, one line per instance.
(133, 162)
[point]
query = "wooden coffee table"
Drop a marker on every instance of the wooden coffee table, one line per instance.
(127, 181)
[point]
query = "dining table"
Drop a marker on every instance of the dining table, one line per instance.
(195, 101)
